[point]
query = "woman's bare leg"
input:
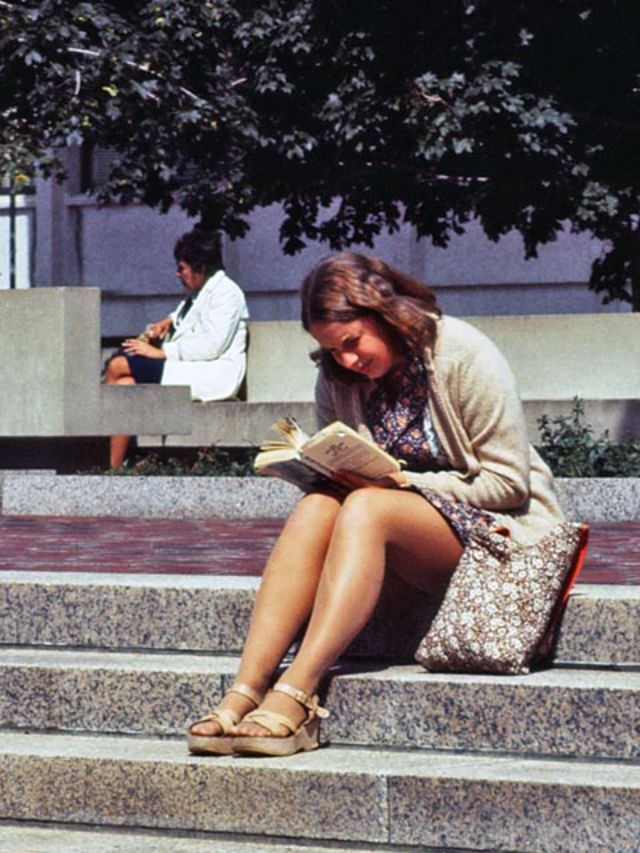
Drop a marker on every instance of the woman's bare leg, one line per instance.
(370, 522)
(285, 598)
(118, 373)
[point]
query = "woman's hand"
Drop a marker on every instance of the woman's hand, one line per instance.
(134, 346)
(159, 330)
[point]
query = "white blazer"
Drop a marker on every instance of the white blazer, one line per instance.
(207, 349)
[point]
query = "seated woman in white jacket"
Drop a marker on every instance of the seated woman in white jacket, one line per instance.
(201, 344)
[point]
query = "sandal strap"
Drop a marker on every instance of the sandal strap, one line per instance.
(224, 717)
(270, 720)
(311, 703)
(246, 691)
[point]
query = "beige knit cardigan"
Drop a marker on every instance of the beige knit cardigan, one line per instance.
(478, 416)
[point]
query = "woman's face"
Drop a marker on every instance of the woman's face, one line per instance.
(190, 279)
(362, 345)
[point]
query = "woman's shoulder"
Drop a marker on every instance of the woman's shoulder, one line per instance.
(221, 286)
(459, 339)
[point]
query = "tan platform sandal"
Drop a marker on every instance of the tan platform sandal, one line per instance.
(226, 719)
(303, 737)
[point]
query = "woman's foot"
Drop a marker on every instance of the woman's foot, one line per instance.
(286, 722)
(278, 703)
(213, 732)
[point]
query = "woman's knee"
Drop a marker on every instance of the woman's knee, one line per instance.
(116, 369)
(366, 507)
(312, 509)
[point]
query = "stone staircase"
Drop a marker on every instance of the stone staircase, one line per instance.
(100, 674)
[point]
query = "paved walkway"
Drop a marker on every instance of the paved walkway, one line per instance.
(215, 546)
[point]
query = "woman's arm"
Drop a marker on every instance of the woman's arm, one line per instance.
(325, 406)
(158, 331)
(483, 396)
(220, 311)
(134, 346)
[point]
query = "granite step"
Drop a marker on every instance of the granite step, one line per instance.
(555, 712)
(211, 614)
(383, 797)
(39, 839)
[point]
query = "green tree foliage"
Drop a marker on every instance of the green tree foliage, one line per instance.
(354, 115)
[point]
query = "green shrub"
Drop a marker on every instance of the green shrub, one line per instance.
(571, 450)
(206, 462)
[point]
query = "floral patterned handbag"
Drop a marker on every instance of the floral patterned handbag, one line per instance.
(504, 602)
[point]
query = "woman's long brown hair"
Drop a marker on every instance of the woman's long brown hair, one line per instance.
(343, 287)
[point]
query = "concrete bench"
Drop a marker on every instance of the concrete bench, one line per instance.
(50, 364)
(554, 357)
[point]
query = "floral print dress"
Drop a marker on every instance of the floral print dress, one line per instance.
(400, 422)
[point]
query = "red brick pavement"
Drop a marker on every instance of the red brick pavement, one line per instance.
(215, 546)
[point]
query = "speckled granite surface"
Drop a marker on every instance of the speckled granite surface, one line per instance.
(554, 712)
(471, 802)
(149, 497)
(606, 499)
(103, 612)
(595, 712)
(545, 815)
(250, 497)
(138, 782)
(30, 839)
(109, 692)
(33, 472)
(201, 613)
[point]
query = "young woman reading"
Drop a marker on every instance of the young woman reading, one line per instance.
(431, 390)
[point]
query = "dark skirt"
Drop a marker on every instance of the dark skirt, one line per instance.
(145, 370)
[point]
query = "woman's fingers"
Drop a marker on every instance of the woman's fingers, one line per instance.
(133, 346)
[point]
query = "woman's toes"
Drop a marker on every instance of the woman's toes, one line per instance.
(249, 730)
(207, 730)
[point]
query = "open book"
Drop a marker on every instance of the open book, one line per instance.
(323, 461)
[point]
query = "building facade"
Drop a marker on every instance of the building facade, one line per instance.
(62, 237)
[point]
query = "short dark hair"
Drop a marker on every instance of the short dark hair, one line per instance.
(201, 249)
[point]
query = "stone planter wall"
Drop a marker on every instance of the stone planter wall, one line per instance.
(611, 499)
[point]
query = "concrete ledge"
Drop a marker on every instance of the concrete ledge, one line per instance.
(153, 695)
(200, 613)
(58, 839)
(151, 408)
(53, 390)
(247, 424)
(232, 424)
(606, 499)
(149, 497)
(424, 799)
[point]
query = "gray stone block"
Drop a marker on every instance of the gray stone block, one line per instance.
(593, 713)
(199, 613)
(149, 497)
(32, 839)
(234, 424)
(601, 624)
(560, 712)
(334, 795)
(507, 804)
(607, 499)
(600, 499)
(125, 611)
(122, 693)
(144, 783)
(62, 373)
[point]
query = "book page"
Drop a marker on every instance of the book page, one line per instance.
(293, 433)
(342, 449)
